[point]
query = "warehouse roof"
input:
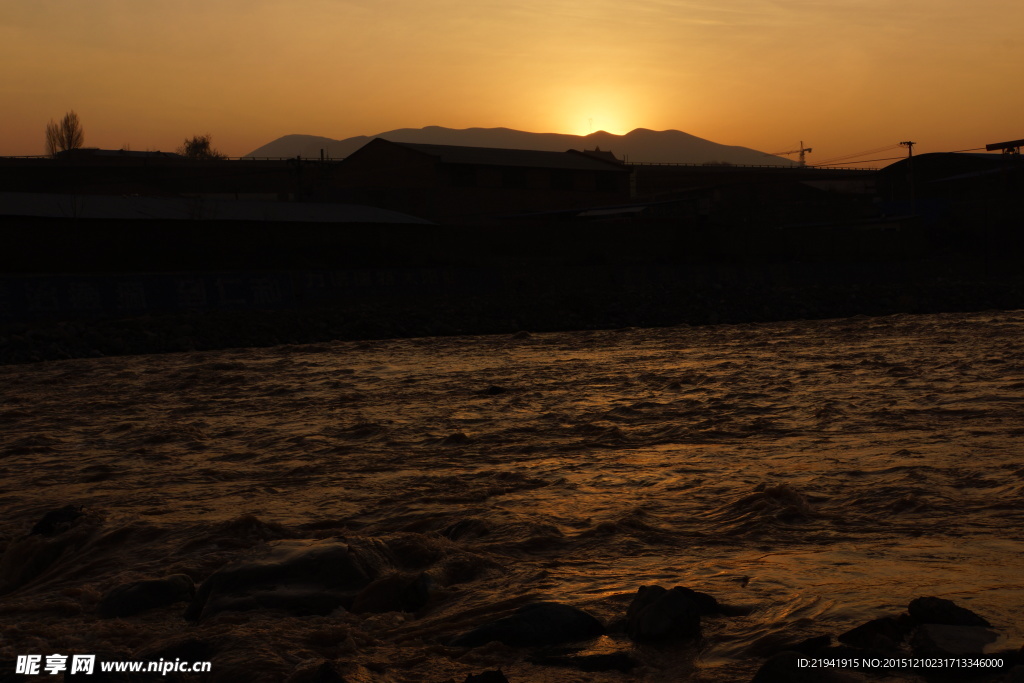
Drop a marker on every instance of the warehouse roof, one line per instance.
(526, 158)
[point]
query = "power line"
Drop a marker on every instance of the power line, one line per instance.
(858, 154)
(862, 161)
(840, 160)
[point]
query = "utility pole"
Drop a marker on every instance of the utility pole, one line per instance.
(909, 144)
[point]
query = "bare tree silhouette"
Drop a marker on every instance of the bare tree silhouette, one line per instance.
(65, 135)
(198, 147)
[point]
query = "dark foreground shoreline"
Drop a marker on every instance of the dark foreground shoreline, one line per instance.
(390, 511)
(480, 302)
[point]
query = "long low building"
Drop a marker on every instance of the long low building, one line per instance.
(455, 184)
(115, 207)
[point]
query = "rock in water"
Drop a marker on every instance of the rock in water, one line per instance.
(54, 539)
(611, 661)
(300, 578)
(57, 521)
(317, 672)
(301, 601)
(394, 593)
(932, 610)
(943, 640)
(811, 645)
(538, 624)
(657, 614)
(493, 676)
(132, 598)
(885, 633)
(466, 529)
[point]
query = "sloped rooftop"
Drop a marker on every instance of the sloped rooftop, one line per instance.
(526, 158)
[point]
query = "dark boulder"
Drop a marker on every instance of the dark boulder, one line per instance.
(944, 640)
(885, 633)
(812, 645)
(316, 672)
(299, 578)
(57, 521)
(132, 598)
(612, 661)
(55, 539)
(706, 604)
(394, 593)
(932, 610)
(783, 668)
(537, 624)
(658, 614)
(300, 601)
(465, 529)
(494, 676)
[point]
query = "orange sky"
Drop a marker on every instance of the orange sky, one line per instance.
(842, 75)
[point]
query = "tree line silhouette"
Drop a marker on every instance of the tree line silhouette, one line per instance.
(68, 135)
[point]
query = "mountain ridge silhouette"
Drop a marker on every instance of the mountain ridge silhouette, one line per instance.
(638, 145)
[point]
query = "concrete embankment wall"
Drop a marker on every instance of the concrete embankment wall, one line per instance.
(65, 316)
(99, 289)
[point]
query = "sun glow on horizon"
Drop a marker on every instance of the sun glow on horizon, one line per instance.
(153, 74)
(608, 118)
(597, 124)
(585, 110)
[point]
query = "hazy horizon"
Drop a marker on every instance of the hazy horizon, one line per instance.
(848, 77)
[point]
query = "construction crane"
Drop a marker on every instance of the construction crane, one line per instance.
(800, 151)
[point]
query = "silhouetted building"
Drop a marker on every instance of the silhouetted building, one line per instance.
(597, 153)
(966, 202)
(953, 176)
(478, 184)
(163, 174)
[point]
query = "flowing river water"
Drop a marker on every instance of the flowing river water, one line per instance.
(817, 474)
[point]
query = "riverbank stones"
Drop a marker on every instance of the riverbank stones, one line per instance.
(298, 577)
(140, 596)
(660, 614)
(535, 625)
(932, 610)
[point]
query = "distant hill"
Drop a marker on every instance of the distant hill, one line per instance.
(666, 146)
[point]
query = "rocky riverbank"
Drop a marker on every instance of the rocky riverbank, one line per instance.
(423, 510)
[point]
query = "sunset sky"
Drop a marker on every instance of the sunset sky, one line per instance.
(844, 76)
